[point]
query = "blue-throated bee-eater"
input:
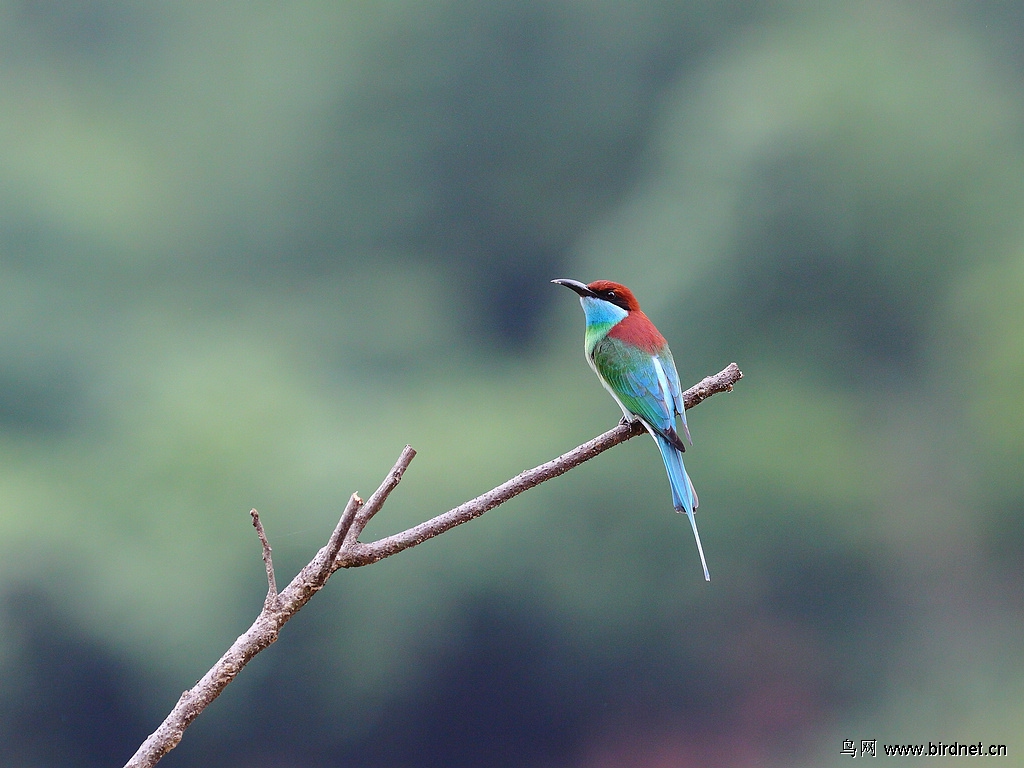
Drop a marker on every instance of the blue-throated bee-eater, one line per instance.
(634, 363)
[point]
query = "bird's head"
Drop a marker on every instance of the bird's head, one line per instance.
(603, 290)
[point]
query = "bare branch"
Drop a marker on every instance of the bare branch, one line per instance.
(343, 550)
(722, 381)
(356, 554)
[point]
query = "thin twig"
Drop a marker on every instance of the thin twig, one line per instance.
(267, 559)
(343, 550)
(376, 501)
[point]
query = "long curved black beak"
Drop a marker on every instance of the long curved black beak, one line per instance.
(575, 285)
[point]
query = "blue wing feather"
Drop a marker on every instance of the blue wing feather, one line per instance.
(676, 390)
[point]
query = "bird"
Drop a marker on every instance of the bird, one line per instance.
(633, 362)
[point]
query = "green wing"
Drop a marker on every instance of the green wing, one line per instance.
(633, 376)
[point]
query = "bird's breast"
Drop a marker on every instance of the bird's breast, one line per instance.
(637, 330)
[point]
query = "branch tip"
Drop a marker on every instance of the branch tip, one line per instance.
(267, 559)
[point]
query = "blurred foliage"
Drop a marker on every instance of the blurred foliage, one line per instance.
(249, 251)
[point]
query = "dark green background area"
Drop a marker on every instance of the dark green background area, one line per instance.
(250, 251)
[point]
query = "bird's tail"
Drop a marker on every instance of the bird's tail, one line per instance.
(684, 497)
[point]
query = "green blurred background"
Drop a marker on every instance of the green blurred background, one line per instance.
(248, 251)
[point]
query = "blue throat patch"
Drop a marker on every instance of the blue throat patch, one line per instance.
(601, 312)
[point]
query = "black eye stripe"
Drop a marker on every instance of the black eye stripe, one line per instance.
(613, 298)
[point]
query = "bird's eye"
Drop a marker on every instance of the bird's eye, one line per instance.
(611, 294)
